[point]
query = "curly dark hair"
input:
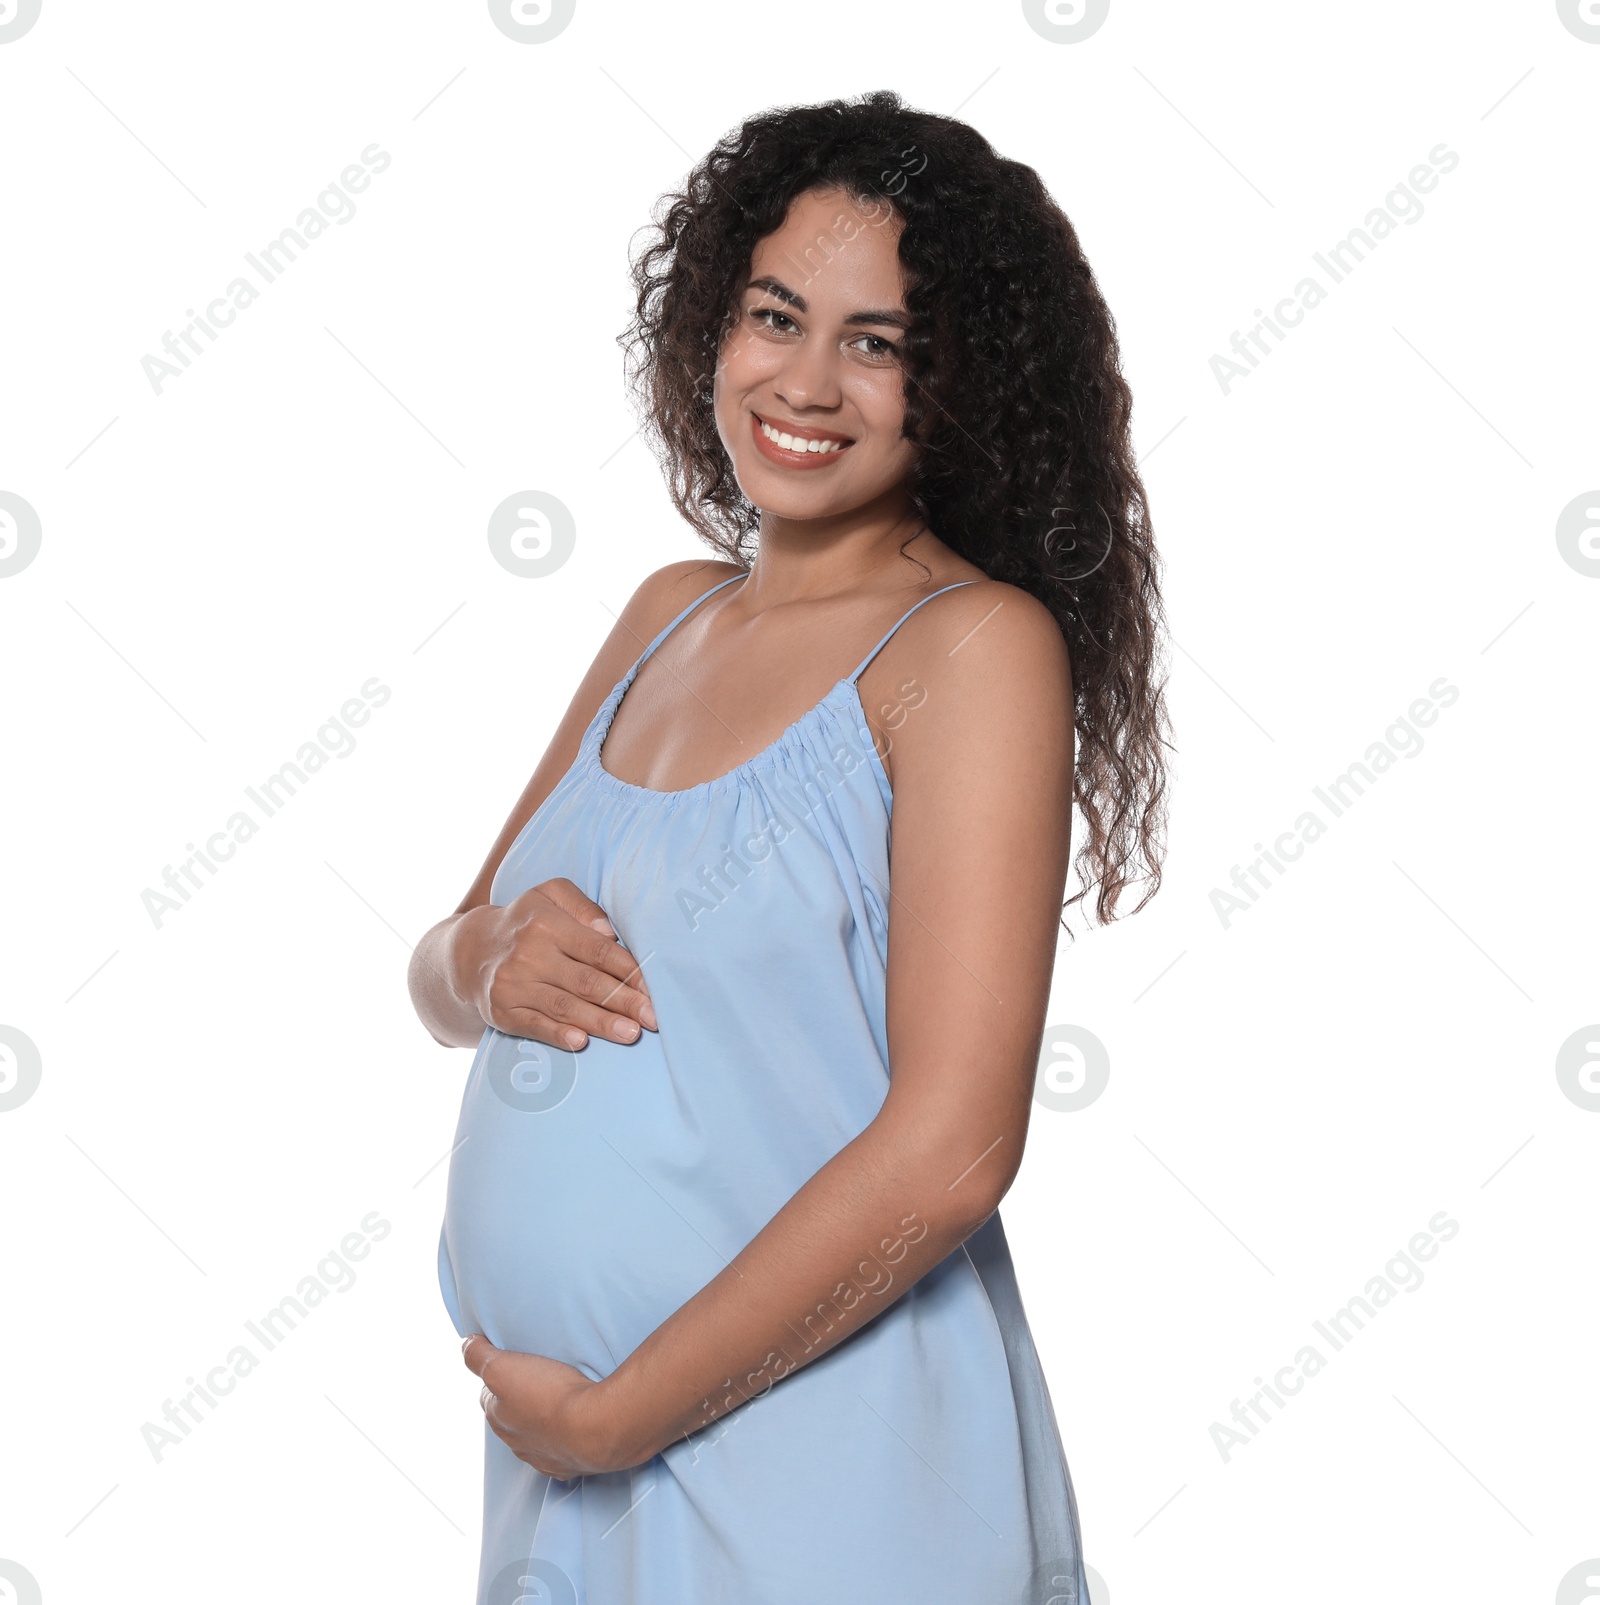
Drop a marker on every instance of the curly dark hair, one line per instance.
(1015, 403)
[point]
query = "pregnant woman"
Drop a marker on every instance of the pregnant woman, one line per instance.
(721, 1229)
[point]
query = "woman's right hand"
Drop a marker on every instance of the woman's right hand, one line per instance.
(548, 966)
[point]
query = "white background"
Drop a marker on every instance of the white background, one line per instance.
(1292, 1096)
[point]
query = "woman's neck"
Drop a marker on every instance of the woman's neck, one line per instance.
(810, 559)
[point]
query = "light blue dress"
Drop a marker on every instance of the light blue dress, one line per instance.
(592, 1194)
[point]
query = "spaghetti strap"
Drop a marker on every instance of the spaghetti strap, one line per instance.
(667, 629)
(901, 620)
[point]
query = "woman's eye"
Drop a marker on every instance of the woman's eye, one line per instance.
(875, 345)
(870, 345)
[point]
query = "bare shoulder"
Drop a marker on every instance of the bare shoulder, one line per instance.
(667, 591)
(656, 600)
(680, 583)
(993, 671)
(1004, 630)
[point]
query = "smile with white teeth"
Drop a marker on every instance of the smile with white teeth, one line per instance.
(798, 442)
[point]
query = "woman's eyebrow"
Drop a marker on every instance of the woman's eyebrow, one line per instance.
(777, 288)
(895, 320)
(781, 290)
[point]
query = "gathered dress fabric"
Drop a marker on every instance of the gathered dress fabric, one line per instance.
(592, 1194)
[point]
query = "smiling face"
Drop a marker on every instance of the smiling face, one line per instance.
(809, 398)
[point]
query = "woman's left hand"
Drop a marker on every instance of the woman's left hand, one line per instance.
(547, 1413)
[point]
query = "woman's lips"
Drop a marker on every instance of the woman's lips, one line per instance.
(785, 458)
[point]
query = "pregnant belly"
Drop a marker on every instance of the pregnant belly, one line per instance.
(593, 1194)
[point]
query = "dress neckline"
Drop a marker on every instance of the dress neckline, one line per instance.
(846, 690)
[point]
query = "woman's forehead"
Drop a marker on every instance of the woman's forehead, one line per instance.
(832, 248)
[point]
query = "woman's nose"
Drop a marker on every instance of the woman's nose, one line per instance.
(809, 378)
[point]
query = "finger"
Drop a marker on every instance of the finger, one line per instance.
(598, 948)
(624, 989)
(596, 984)
(507, 1434)
(600, 952)
(476, 1353)
(557, 1026)
(571, 1010)
(497, 1425)
(570, 900)
(613, 988)
(493, 1412)
(538, 1027)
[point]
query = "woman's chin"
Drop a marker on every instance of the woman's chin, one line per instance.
(779, 496)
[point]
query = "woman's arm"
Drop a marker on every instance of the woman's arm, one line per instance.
(982, 777)
(456, 961)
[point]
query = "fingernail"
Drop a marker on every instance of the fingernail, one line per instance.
(626, 1030)
(604, 927)
(576, 1039)
(648, 1015)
